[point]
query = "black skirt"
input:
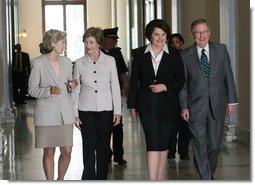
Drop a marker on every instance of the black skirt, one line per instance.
(158, 128)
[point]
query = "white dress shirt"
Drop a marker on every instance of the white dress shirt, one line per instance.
(199, 51)
(156, 59)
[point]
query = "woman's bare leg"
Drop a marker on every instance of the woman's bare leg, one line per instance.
(156, 161)
(48, 162)
(64, 161)
(152, 164)
(161, 164)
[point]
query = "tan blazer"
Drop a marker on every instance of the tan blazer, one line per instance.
(51, 111)
(98, 88)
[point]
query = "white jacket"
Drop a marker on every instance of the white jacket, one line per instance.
(98, 88)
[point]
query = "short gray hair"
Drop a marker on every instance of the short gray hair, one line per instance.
(196, 22)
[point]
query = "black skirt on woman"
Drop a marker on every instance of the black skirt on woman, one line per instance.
(158, 128)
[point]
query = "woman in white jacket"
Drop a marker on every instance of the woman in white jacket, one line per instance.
(97, 104)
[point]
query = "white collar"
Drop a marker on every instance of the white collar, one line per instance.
(101, 58)
(149, 49)
(206, 48)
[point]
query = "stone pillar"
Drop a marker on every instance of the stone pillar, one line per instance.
(6, 112)
(230, 128)
(228, 37)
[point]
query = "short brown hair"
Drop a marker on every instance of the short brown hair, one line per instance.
(95, 32)
(156, 23)
(51, 36)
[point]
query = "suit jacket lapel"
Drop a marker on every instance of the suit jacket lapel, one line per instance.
(148, 63)
(213, 55)
(61, 68)
(195, 58)
(162, 63)
(51, 70)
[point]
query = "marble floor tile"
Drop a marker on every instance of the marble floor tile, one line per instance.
(20, 161)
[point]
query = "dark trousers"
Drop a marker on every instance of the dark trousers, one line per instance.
(96, 131)
(117, 143)
(183, 133)
(207, 136)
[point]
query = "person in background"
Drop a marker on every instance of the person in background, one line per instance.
(97, 104)
(109, 47)
(176, 41)
(157, 77)
(51, 83)
(20, 74)
(209, 94)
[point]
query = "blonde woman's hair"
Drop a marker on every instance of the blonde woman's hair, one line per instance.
(51, 36)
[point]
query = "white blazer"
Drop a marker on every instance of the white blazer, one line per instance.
(98, 88)
(51, 111)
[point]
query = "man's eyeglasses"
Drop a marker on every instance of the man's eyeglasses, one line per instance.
(199, 33)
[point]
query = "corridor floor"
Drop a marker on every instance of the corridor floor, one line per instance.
(20, 161)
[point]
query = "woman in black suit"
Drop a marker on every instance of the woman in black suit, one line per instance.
(157, 77)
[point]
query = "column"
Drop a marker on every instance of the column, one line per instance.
(228, 36)
(6, 112)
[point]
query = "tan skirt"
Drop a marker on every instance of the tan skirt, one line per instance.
(53, 136)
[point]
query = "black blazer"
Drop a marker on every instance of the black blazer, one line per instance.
(25, 62)
(170, 72)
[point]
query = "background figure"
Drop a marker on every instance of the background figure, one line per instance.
(176, 41)
(157, 77)
(50, 82)
(109, 48)
(97, 104)
(20, 74)
(208, 95)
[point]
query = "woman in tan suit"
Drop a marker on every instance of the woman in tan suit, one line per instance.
(50, 82)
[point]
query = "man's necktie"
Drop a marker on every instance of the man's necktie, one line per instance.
(205, 64)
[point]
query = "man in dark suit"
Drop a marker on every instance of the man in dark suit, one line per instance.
(20, 74)
(207, 96)
(109, 48)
